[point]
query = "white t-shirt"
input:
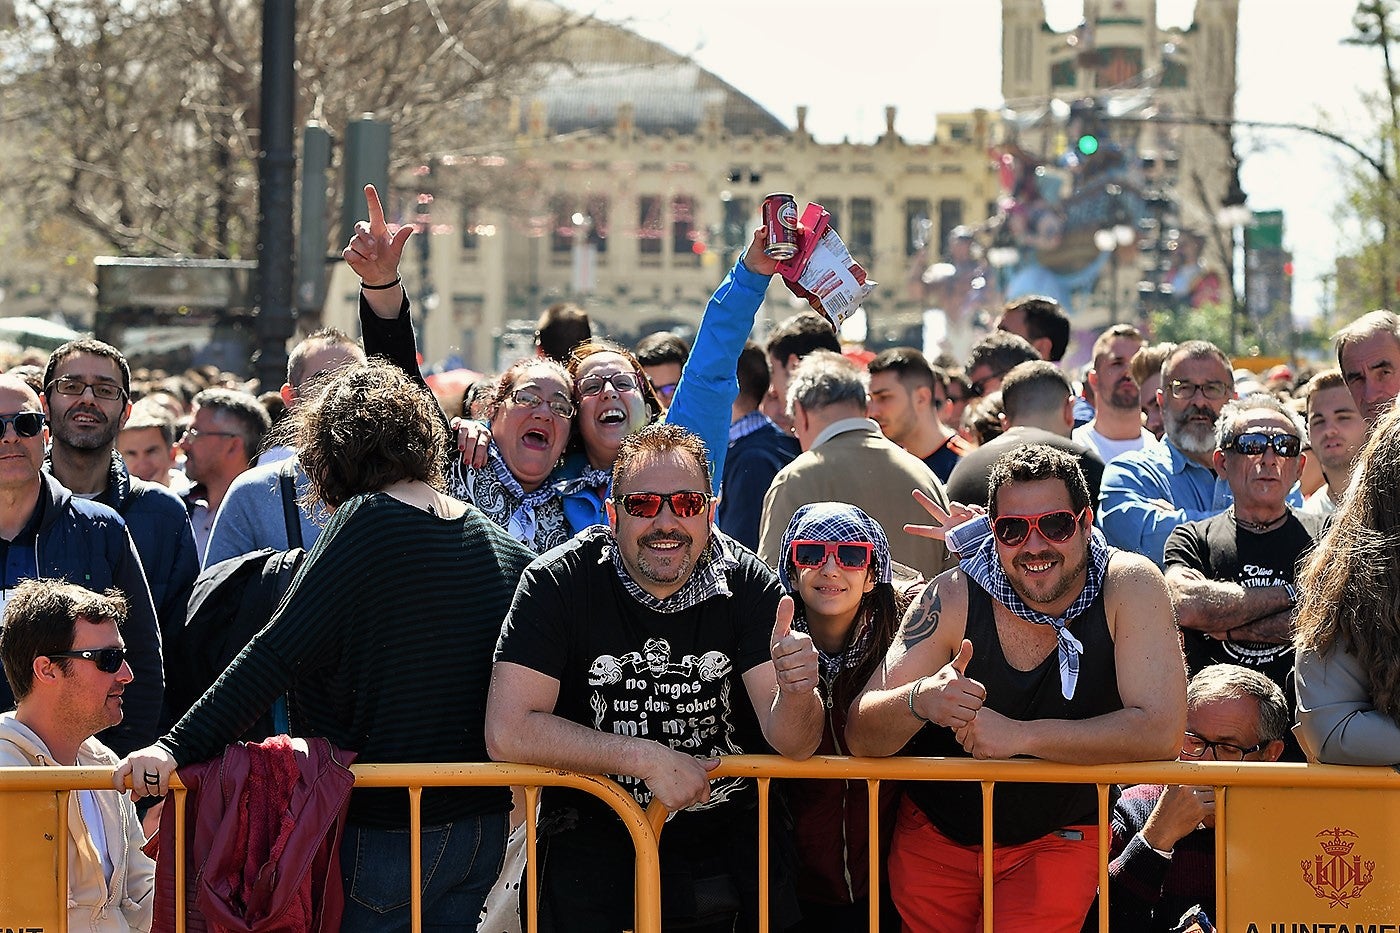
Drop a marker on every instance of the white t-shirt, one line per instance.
(1107, 447)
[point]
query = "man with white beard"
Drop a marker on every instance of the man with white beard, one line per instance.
(1148, 492)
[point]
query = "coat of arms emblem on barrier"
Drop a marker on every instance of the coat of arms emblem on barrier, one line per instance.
(1335, 874)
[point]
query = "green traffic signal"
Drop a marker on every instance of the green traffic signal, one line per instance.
(1088, 144)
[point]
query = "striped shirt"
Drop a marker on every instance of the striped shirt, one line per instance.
(385, 641)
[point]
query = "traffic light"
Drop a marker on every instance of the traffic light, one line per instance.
(1087, 144)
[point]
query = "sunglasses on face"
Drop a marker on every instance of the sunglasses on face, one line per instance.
(108, 660)
(27, 423)
(527, 399)
(684, 504)
(1057, 526)
(852, 555)
(590, 386)
(1213, 391)
(1254, 443)
(72, 385)
(979, 388)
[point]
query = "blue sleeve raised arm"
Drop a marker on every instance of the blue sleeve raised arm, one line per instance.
(705, 397)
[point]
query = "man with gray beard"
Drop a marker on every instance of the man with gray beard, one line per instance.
(1146, 493)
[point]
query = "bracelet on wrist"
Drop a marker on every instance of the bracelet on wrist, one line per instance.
(914, 689)
(379, 288)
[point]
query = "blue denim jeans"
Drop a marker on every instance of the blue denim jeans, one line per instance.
(460, 863)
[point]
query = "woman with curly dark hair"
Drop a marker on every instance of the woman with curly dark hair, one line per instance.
(1347, 666)
(379, 656)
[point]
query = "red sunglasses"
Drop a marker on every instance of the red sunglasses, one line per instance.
(1057, 526)
(684, 504)
(852, 555)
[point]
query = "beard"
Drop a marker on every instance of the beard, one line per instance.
(663, 574)
(1190, 436)
(1058, 589)
(101, 436)
(1124, 396)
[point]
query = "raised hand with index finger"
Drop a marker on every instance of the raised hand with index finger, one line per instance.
(374, 251)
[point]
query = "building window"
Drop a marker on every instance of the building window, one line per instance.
(737, 213)
(917, 224)
(471, 238)
(597, 210)
(561, 225)
(1063, 74)
(862, 238)
(950, 215)
(1174, 74)
(833, 207)
(683, 232)
(650, 228)
(1118, 66)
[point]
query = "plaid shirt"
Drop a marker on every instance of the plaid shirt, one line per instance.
(746, 425)
(707, 579)
(982, 564)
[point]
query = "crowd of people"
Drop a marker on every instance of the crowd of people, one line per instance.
(635, 562)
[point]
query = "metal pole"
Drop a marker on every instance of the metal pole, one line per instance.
(276, 164)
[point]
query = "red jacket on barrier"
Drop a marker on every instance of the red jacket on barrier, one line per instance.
(262, 839)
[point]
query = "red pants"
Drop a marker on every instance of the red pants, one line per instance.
(1045, 885)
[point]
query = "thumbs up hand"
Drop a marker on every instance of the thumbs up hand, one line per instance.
(794, 655)
(949, 697)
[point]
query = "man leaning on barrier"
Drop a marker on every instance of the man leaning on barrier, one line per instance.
(66, 664)
(1045, 643)
(646, 649)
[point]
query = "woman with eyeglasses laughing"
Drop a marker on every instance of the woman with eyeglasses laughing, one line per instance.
(836, 565)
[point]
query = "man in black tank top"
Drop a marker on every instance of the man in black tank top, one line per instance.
(1045, 643)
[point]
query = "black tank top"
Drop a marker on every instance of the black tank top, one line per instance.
(1020, 812)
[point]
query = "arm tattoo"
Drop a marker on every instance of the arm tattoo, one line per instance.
(922, 620)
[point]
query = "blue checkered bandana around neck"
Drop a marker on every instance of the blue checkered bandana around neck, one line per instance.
(708, 578)
(982, 564)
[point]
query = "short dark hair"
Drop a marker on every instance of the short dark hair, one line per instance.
(1045, 320)
(243, 408)
(94, 348)
(39, 619)
(1036, 462)
(369, 428)
(656, 439)
(562, 327)
(909, 365)
(801, 334)
(753, 374)
(661, 348)
(315, 342)
(1034, 386)
(1001, 350)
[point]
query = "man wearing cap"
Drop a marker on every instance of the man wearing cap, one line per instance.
(65, 662)
(1044, 643)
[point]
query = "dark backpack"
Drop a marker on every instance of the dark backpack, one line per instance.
(230, 603)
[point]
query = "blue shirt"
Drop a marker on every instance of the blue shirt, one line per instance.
(1132, 481)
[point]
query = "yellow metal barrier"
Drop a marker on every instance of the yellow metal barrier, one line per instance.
(1303, 847)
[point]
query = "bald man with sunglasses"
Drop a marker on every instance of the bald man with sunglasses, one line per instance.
(1044, 643)
(646, 650)
(1231, 576)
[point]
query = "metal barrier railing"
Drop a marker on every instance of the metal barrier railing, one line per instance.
(645, 827)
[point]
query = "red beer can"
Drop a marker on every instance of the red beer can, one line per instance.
(780, 217)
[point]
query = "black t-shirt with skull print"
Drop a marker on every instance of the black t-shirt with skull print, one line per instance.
(627, 669)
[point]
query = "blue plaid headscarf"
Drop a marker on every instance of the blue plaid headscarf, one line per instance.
(833, 521)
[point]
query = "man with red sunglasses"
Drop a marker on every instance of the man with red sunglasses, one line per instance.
(647, 649)
(1044, 643)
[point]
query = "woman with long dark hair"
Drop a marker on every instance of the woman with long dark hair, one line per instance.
(1347, 666)
(836, 565)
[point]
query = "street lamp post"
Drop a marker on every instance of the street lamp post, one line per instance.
(1111, 239)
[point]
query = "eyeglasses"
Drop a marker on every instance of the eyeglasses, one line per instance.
(1254, 443)
(684, 504)
(1196, 746)
(590, 386)
(72, 385)
(852, 555)
(666, 391)
(527, 399)
(194, 434)
(1057, 526)
(979, 388)
(1213, 391)
(108, 660)
(27, 423)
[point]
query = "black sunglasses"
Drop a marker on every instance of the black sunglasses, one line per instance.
(684, 504)
(1254, 443)
(108, 660)
(979, 388)
(27, 423)
(1057, 526)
